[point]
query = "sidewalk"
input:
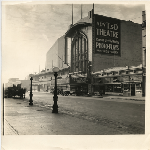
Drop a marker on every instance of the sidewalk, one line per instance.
(22, 119)
(8, 130)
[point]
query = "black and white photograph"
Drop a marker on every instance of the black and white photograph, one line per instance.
(73, 69)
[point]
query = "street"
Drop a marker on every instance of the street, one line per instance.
(82, 115)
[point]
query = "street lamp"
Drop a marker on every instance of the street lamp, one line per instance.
(55, 98)
(31, 101)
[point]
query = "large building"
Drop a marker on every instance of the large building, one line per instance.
(96, 54)
(106, 55)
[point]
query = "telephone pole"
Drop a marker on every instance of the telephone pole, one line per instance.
(143, 53)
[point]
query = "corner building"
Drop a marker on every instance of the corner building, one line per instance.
(106, 55)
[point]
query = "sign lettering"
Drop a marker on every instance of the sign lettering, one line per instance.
(106, 35)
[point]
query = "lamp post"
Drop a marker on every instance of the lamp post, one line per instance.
(31, 101)
(55, 98)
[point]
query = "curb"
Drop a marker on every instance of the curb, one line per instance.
(119, 98)
(129, 99)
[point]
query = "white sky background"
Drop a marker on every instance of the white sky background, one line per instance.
(30, 29)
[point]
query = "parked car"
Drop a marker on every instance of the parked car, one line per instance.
(72, 93)
(65, 93)
(58, 91)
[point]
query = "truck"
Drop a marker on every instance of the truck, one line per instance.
(15, 90)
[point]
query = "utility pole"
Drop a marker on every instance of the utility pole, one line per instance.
(81, 11)
(143, 53)
(72, 14)
(31, 101)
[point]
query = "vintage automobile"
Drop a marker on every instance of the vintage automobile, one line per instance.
(14, 91)
(65, 93)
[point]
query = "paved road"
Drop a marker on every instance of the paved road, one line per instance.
(125, 116)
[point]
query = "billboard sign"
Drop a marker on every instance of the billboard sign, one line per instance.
(106, 35)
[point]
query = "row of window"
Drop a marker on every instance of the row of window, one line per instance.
(79, 54)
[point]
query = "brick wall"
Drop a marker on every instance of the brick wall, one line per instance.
(130, 46)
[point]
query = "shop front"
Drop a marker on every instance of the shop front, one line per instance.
(114, 88)
(132, 88)
(119, 81)
(107, 86)
(62, 84)
(78, 85)
(124, 88)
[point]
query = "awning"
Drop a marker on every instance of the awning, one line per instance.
(74, 76)
(81, 76)
(118, 71)
(131, 82)
(113, 83)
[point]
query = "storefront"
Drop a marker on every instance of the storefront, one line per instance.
(62, 83)
(125, 81)
(132, 88)
(78, 84)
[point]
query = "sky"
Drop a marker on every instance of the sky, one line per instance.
(29, 30)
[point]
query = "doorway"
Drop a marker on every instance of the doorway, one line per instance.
(132, 89)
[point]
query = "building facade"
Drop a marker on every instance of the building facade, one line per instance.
(100, 43)
(98, 54)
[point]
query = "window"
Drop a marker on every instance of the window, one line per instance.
(117, 88)
(109, 88)
(138, 88)
(127, 87)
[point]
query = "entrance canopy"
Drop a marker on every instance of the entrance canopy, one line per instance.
(119, 71)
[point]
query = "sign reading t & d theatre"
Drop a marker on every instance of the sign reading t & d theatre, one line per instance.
(106, 35)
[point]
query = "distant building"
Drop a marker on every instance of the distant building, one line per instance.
(56, 55)
(15, 81)
(44, 80)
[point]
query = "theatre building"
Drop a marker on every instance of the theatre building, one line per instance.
(105, 55)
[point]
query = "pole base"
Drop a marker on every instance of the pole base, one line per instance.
(30, 102)
(55, 109)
